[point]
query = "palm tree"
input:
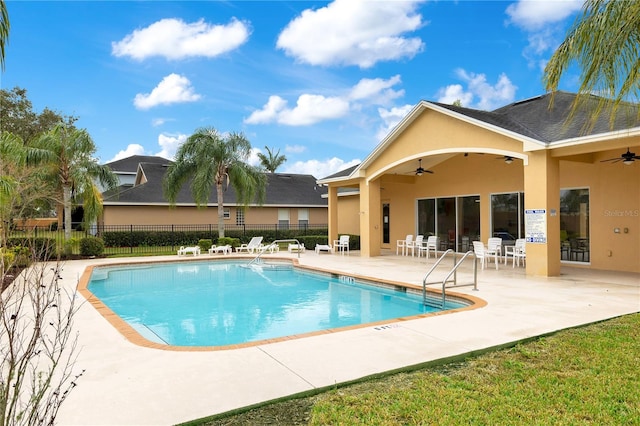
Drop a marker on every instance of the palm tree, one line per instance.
(272, 161)
(209, 158)
(604, 42)
(66, 153)
(4, 30)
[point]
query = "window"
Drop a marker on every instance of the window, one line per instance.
(227, 214)
(303, 218)
(507, 216)
(239, 217)
(283, 218)
(455, 220)
(574, 225)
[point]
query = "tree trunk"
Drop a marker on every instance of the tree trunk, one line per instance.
(66, 200)
(220, 210)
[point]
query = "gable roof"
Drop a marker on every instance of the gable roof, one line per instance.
(541, 120)
(282, 190)
(130, 164)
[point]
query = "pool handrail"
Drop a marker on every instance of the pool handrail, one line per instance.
(453, 271)
(271, 244)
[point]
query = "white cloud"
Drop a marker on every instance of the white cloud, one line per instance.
(455, 92)
(377, 90)
(176, 39)
(353, 32)
(169, 144)
(320, 169)
(309, 109)
(172, 89)
(295, 149)
(131, 149)
(391, 117)
(253, 159)
(488, 96)
(313, 108)
(535, 14)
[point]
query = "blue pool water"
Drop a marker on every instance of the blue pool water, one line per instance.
(217, 304)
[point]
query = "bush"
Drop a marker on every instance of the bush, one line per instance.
(233, 242)
(91, 246)
(41, 247)
(8, 258)
(205, 244)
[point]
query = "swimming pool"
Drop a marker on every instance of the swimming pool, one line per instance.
(194, 304)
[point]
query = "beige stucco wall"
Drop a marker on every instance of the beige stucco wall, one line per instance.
(163, 215)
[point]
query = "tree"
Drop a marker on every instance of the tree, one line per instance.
(4, 31)
(271, 161)
(18, 117)
(604, 41)
(66, 153)
(211, 159)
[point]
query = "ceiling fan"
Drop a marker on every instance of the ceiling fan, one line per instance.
(627, 158)
(507, 159)
(420, 171)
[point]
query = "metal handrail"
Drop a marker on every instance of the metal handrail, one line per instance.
(273, 243)
(453, 271)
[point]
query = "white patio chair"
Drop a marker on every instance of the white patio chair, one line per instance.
(481, 253)
(415, 244)
(509, 251)
(431, 244)
(342, 244)
(494, 248)
(252, 246)
(401, 245)
(520, 252)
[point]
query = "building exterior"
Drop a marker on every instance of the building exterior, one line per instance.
(291, 200)
(532, 169)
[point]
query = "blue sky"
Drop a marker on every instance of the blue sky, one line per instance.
(322, 82)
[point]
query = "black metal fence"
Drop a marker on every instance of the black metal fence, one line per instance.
(157, 239)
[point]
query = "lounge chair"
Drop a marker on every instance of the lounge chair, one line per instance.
(253, 245)
(323, 247)
(183, 251)
(296, 248)
(226, 249)
(342, 244)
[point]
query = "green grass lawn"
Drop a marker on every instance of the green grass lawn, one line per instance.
(587, 375)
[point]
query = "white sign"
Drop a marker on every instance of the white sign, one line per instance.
(535, 225)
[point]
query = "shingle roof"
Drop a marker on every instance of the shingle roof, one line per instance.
(547, 122)
(282, 190)
(130, 164)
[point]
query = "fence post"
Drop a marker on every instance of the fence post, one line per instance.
(131, 239)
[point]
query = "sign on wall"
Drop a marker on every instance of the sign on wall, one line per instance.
(535, 225)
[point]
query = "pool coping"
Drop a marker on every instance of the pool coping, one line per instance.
(133, 336)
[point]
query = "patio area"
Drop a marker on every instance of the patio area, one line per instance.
(125, 384)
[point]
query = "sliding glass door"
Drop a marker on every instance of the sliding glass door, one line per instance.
(455, 220)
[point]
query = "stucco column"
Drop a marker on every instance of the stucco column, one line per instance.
(370, 218)
(333, 214)
(542, 193)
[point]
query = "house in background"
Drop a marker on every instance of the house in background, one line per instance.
(291, 199)
(571, 188)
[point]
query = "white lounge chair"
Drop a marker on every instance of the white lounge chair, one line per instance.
(183, 251)
(342, 244)
(296, 248)
(323, 247)
(253, 245)
(226, 249)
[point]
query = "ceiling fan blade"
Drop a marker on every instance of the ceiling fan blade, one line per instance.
(428, 171)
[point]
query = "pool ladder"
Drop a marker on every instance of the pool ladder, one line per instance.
(448, 278)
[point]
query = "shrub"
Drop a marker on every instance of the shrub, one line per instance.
(205, 244)
(42, 248)
(8, 258)
(233, 242)
(91, 246)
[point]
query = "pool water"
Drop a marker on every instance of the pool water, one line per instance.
(217, 304)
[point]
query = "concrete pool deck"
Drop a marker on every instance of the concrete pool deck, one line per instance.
(126, 384)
